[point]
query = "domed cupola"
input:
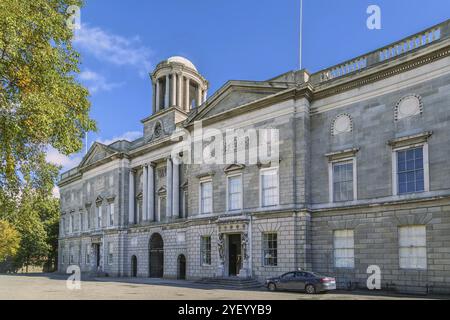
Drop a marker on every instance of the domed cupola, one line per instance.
(177, 83)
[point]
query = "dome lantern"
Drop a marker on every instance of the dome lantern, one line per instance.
(177, 83)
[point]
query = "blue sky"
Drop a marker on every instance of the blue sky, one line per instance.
(122, 41)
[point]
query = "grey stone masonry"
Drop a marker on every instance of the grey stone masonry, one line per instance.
(362, 178)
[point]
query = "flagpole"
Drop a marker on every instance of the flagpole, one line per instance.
(301, 36)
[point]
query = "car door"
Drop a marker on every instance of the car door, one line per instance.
(287, 281)
(300, 280)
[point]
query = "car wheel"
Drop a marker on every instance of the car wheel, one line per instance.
(272, 287)
(310, 289)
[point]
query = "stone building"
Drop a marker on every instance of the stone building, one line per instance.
(363, 177)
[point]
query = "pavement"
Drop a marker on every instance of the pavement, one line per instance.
(53, 287)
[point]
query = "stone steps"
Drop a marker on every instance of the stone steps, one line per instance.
(231, 283)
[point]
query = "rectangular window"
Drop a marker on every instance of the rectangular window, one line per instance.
(99, 217)
(88, 223)
(110, 253)
(162, 207)
(206, 197)
(343, 181)
(235, 193)
(184, 204)
(344, 249)
(269, 187)
(88, 254)
(205, 253)
(63, 226)
(270, 249)
(111, 214)
(410, 171)
(71, 255)
(71, 227)
(413, 247)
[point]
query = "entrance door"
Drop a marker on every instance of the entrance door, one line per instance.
(134, 266)
(182, 267)
(156, 256)
(234, 254)
(97, 255)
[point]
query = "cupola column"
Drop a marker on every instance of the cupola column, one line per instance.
(166, 96)
(199, 96)
(179, 90)
(173, 88)
(157, 96)
(186, 94)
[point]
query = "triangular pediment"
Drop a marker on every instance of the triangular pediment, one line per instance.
(97, 152)
(234, 167)
(232, 95)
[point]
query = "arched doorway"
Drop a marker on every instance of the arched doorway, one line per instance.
(156, 256)
(133, 266)
(181, 267)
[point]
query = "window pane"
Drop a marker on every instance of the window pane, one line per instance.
(234, 193)
(343, 181)
(410, 171)
(269, 185)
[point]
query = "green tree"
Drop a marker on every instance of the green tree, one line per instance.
(41, 102)
(9, 240)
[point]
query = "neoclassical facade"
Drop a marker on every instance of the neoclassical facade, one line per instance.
(362, 179)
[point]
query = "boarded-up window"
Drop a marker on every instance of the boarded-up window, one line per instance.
(344, 249)
(413, 247)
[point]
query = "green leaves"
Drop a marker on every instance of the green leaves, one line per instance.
(9, 240)
(41, 103)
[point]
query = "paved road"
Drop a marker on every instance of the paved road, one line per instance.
(50, 287)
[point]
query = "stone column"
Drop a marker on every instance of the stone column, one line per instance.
(199, 96)
(176, 188)
(157, 96)
(173, 86)
(205, 95)
(151, 193)
(144, 193)
(131, 199)
(179, 90)
(154, 98)
(186, 94)
(169, 188)
(166, 96)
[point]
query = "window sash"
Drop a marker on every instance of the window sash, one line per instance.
(269, 188)
(234, 193)
(206, 197)
(343, 181)
(270, 249)
(410, 171)
(344, 249)
(111, 214)
(205, 252)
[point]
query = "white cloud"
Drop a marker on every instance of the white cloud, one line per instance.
(130, 136)
(96, 82)
(55, 157)
(113, 48)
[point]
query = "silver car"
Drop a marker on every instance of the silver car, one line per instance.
(309, 282)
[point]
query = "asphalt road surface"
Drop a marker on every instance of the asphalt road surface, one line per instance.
(53, 287)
